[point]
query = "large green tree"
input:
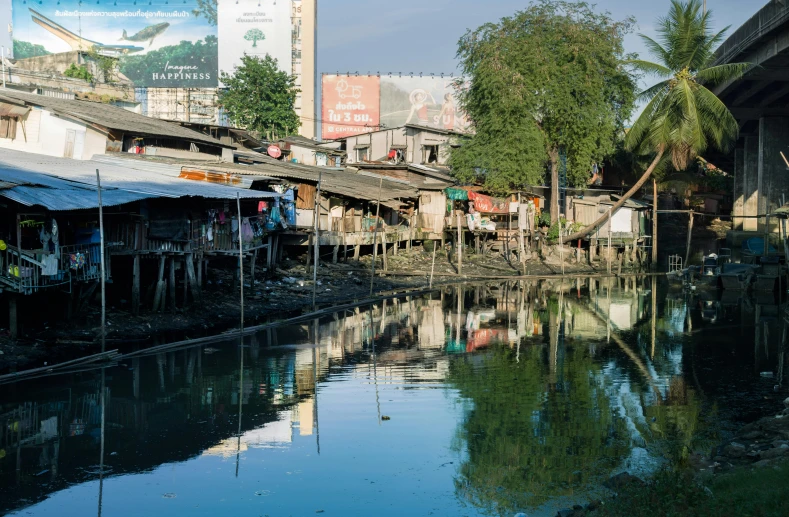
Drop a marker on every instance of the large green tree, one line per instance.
(260, 97)
(544, 82)
(682, 118)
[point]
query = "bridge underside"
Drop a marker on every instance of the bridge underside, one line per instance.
(760, 102)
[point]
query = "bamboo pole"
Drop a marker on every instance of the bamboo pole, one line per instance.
(610, 231)
(690, 237)
(654, 224)
(433, 267)
(375, 234)
(103, 277)
(460, 246)
(316, 244)
(240, 259)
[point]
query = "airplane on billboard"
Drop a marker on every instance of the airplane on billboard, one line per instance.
(78, 42)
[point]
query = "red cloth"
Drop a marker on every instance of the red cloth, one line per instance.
(487, 204)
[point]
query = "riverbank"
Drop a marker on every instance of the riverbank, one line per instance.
(745, 476)
(288, 292)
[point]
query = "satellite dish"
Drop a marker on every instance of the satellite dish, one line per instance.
(274, 151)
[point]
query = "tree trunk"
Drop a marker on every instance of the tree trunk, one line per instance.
(592, 227)
(554, 155)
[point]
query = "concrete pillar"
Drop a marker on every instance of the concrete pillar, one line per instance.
(750, 182)
(773, 176)
(739, 188)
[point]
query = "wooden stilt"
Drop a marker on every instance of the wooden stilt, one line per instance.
(460, 245)
(13, 321)
(383, 249)
(654, 224)
(335, 253)
(200, 271)
(171, 281)
(135, 294)
(252, 269)
(186, 283)
(690, 237)
(395, 244)
(194, 284)
(158, 297)
(356, 252)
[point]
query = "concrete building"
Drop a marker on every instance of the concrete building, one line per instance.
(406, 144)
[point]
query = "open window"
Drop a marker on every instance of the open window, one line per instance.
(362, 153)
(429, 154)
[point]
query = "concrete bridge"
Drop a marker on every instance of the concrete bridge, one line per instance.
(760, 102)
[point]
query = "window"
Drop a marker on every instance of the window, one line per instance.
(429, 154)
(362, 154)
(8, 127)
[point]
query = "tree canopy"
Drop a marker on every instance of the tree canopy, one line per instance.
(261, 97)
(682, 118)
(545, 81)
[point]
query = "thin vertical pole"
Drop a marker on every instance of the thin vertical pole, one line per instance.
(690, 236)
(433, 267)
(103, 277)
(2, 58)
(654, 224)
(460, 245)
(101, 454)
(240, 395)
(240, 260)
(610, 231)
(316, 244)
(375, 235)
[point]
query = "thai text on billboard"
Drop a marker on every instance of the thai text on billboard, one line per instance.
(351, 105)
(170, 45)
(255, 28)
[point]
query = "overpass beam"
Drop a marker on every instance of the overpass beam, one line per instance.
(773, 178)
(750, 182)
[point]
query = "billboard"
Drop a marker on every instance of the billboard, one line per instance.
(255, 28)
(424, 101)
(162, 46)
(350, 105)
(361, 104)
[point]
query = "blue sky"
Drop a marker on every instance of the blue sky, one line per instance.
(421, 35)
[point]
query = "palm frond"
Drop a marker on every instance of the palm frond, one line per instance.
(653, 90)
(642, 128)
(722, 73)
(649, 67)
(656, 48)
(717, 120)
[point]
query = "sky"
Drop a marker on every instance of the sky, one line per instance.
(405, 36)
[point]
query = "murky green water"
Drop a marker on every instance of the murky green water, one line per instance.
(490, 400)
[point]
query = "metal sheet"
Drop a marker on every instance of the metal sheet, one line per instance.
(149, 179)
(70, 199)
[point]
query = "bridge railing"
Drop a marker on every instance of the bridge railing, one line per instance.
(772, 15)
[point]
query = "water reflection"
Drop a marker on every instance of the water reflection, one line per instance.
(490, 399)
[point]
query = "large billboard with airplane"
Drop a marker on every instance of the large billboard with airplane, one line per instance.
(160, 43)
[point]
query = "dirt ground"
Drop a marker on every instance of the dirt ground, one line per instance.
(287, 292)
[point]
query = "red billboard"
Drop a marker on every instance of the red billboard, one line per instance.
(351, 105)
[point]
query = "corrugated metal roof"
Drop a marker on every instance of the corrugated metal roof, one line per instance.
(65, 184)
(111, 117)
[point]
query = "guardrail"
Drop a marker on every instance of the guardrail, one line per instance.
(772, 15)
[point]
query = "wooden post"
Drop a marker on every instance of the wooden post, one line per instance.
(383, 250)
(186, 283)
(317, 244)
(433, 267)
(200, 271)
(309, 252)
(171, 282)
(269, 251)
(654, 224)
(158, 298)
(13, 321)
(334, 254)
(194, 284)
(103, 273)
(252, 268)
(610, 231)
(690, 236)
(240, 268)
(460, 245)
(396, 244)
(375, 235)
(357, 252)
(135, 294)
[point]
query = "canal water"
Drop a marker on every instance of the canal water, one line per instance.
(477, 400)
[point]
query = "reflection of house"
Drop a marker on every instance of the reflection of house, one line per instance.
(406, 144)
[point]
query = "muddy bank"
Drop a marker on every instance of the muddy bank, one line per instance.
(287, 291)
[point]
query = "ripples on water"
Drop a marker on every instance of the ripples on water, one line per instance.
(483, 400)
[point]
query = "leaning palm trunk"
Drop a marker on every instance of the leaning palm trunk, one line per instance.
(592, 227)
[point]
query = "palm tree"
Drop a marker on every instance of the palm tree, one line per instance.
(682, 118)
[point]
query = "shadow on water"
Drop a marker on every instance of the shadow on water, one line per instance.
(481, 400)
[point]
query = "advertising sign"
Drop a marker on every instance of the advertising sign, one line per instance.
(351, 105)
(423, 101)
(167, 45)
(255, 28)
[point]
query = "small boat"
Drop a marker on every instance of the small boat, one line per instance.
(753, 249)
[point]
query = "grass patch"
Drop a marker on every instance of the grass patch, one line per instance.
(746, 492)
